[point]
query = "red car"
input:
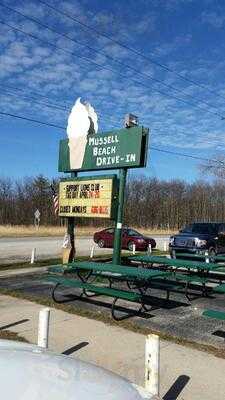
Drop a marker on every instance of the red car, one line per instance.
(105, 238)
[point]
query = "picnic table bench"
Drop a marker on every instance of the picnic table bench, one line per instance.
(208, 257)
(141, 278)
(176, 263)
(196, 271)
(178, 274)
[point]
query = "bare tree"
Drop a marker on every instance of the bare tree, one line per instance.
(214, 167)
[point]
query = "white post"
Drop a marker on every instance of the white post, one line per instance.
(152, 364)
(149, 248)
(165, 246)
(207, 257)
(33, 256)
(92, 251)
(43, 327)
(133, 248)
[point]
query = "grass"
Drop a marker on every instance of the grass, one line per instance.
(53, 231)
(21, 265)
(5, 334)
(55, 261)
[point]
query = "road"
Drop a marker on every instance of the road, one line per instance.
(19, 249)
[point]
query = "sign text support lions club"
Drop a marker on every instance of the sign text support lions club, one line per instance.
(88, 197)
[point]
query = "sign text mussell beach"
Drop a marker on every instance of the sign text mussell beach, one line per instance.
(112, 150)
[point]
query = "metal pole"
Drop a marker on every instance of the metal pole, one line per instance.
(118, 225)
(43, 328)
(149, 248)
(207, 257)
(152, 364)
(92, 251)
(33, 255)
(70, 230)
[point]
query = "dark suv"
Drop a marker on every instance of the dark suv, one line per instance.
(198, 237)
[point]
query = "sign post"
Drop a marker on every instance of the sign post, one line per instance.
(37, 217)
(70, 231)
(119, 221)
(86, 150)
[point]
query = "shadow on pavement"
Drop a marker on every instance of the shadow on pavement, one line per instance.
(176, 388)
(77, 347)
(22, 321)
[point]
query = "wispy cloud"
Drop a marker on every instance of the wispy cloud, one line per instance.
(213, 18)
(61, 76)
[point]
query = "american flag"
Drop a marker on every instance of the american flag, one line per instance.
(55, 200)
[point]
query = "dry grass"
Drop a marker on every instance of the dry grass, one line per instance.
(155, 231)
(26, 231)
(8, 335)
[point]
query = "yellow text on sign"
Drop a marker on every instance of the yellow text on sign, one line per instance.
(86, 198)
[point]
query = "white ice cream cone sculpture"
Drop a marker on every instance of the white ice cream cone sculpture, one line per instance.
(79, 123)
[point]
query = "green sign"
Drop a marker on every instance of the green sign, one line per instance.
(125, 148)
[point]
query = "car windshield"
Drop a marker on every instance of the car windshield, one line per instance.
(132, 232)
(201, 228)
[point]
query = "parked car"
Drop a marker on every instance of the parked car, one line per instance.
(130, 237)
(198, 237)
(30, 372)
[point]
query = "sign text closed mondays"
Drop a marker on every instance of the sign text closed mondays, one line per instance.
(86, 198)
(117, 149)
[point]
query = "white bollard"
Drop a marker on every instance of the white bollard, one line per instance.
(149, 248)
(207, 257)
(92, 251)
(43, 327)
(133, 248)
(33, 256)
(165, 247)
(152, 364)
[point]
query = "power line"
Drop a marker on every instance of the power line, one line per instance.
(32, 99)
(9, 87)
(151, 148)
(110, 119)
(108, 69)
(37, 94)
(38, 22)
(31, 120)
(186, 155)
(51, 105)
(134, 51)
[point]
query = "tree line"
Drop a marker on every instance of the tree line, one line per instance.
(150, 203)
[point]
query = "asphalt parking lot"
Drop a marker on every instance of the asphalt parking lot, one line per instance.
(177, 317)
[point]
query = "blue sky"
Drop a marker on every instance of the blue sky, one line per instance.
(186, 36)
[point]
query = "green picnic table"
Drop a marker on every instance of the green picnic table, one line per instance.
(139, 276)
(176, 263)
(197, 271)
